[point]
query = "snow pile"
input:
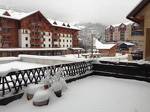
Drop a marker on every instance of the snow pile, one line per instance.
(32, 88)
(56, 86)
(67, 58)
(58, 82)
(5, 70)
(21, 65)
(41, 95)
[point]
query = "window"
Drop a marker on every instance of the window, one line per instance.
(43, 39)
(49, 34)
(63, 40)
(67, 40)
(26, 45)
(49, 40)
(43, 33)
(67, 45)
(26, 38)
(59, 40)
(63, 45)
(26, 31)
(70, 41)
(43, 45)
(49, 45)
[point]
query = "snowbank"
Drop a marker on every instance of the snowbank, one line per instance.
(32, 88)
(17, 65)
(41, 95)
(61, 59)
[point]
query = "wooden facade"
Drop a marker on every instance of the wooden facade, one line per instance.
(8, 33)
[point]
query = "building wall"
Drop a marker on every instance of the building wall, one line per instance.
(60, 34)
(37, 25)
(24, 38)
(108, 52)
(125, 32)
(35, 31)
(66, 41)
(47, 40)
(147, 32)
(8, 33)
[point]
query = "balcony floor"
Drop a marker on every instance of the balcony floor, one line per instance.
(94, 94)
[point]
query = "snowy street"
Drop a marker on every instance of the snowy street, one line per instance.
(93, 94)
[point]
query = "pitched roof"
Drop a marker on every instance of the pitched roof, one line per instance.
(62, 24)
(137, 9)
(100, 45)
(14, 14)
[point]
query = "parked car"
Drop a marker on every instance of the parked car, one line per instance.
(137, 55)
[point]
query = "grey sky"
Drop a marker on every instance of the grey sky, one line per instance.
(101, 11)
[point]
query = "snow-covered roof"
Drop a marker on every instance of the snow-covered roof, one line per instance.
(32, 49)
(100, 45)
(117, 25)
(15, 14)
(62, 24)
(128, 43)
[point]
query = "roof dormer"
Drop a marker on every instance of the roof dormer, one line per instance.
(6, 13)
(68, 25)
(63, 24)
(55, 22)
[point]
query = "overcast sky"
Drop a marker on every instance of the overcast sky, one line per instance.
(74, 11)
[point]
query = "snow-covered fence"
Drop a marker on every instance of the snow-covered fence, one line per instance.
(123, 70)
(14, 82)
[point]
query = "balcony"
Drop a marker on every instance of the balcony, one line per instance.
(137, 33)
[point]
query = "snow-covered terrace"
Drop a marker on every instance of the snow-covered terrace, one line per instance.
(93, 94)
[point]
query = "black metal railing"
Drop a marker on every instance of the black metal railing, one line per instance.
(123, 70)
(14, 82)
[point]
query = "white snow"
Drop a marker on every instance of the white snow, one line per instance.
(56, 86)
(71, 57)
(100, 45)
(94, 94)
(15, 14)
(32, 88)
(117, 58)
(41, 95)
(32, 49)
(60, 24)
(17, 65)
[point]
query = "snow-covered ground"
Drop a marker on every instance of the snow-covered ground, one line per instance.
(93, 94)
(116, 58)
(67, 58)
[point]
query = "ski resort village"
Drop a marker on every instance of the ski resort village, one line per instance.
(75, 56)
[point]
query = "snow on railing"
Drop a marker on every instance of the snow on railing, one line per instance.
(16, 81)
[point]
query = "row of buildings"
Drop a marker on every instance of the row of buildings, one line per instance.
(129, 32)
(137, 32)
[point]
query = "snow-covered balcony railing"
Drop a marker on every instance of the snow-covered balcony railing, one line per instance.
(137, 71)
(15, 82)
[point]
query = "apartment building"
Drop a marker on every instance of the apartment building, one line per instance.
(130, 32)
(34, 30)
